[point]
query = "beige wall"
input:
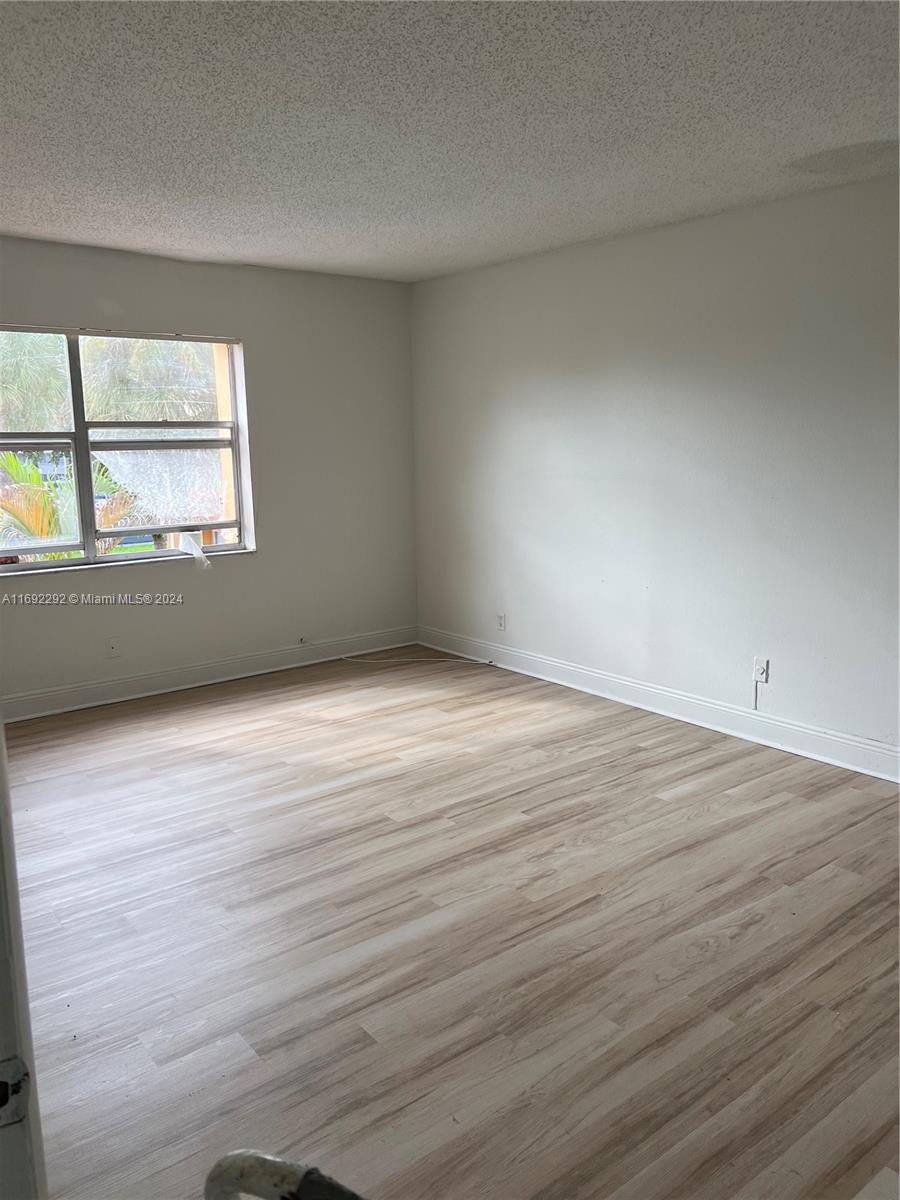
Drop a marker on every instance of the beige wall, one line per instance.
(327, 375)
(664, 454)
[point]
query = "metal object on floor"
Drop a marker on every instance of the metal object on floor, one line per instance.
(14, 1081)
(249, 1173)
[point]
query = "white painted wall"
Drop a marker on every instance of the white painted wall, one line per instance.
(327, 374)
(658, 455)
(21, 1144)
(664, 454)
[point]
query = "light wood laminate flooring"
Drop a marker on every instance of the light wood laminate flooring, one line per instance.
(449, 932)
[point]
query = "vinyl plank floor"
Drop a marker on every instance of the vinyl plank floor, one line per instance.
(449, 932)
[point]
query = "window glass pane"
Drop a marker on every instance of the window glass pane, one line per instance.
(139, 379)
(142, 433)
(221, 537)
(9, 559)
(148, 543)
(162, 487)
(34, 383)
(139, 543)
(38, 505)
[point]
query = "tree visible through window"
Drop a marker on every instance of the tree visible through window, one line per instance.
(114, 446)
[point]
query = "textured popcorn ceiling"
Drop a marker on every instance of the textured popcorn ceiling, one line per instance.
(406, 140)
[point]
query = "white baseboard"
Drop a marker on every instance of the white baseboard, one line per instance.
(840, 749)
(23, 705)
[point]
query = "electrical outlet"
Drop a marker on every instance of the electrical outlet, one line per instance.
(760, 669)
(113, 648)
(301, 640)
(501, 622)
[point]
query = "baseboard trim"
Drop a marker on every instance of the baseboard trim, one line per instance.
(839, 749)
(22, 706)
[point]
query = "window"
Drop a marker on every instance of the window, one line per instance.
(115, 447)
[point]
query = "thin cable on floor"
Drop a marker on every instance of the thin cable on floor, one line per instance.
(378, 662)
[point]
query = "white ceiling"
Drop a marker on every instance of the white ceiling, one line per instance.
(404, 140)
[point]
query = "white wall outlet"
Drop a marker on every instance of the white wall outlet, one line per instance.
(760, 669)
(501, 622)
(301, 640)
(113, 648)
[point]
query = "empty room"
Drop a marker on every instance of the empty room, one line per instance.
(449, 600)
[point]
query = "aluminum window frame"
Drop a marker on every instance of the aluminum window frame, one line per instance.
(78, 442)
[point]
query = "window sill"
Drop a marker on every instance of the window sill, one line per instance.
(20, 573)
